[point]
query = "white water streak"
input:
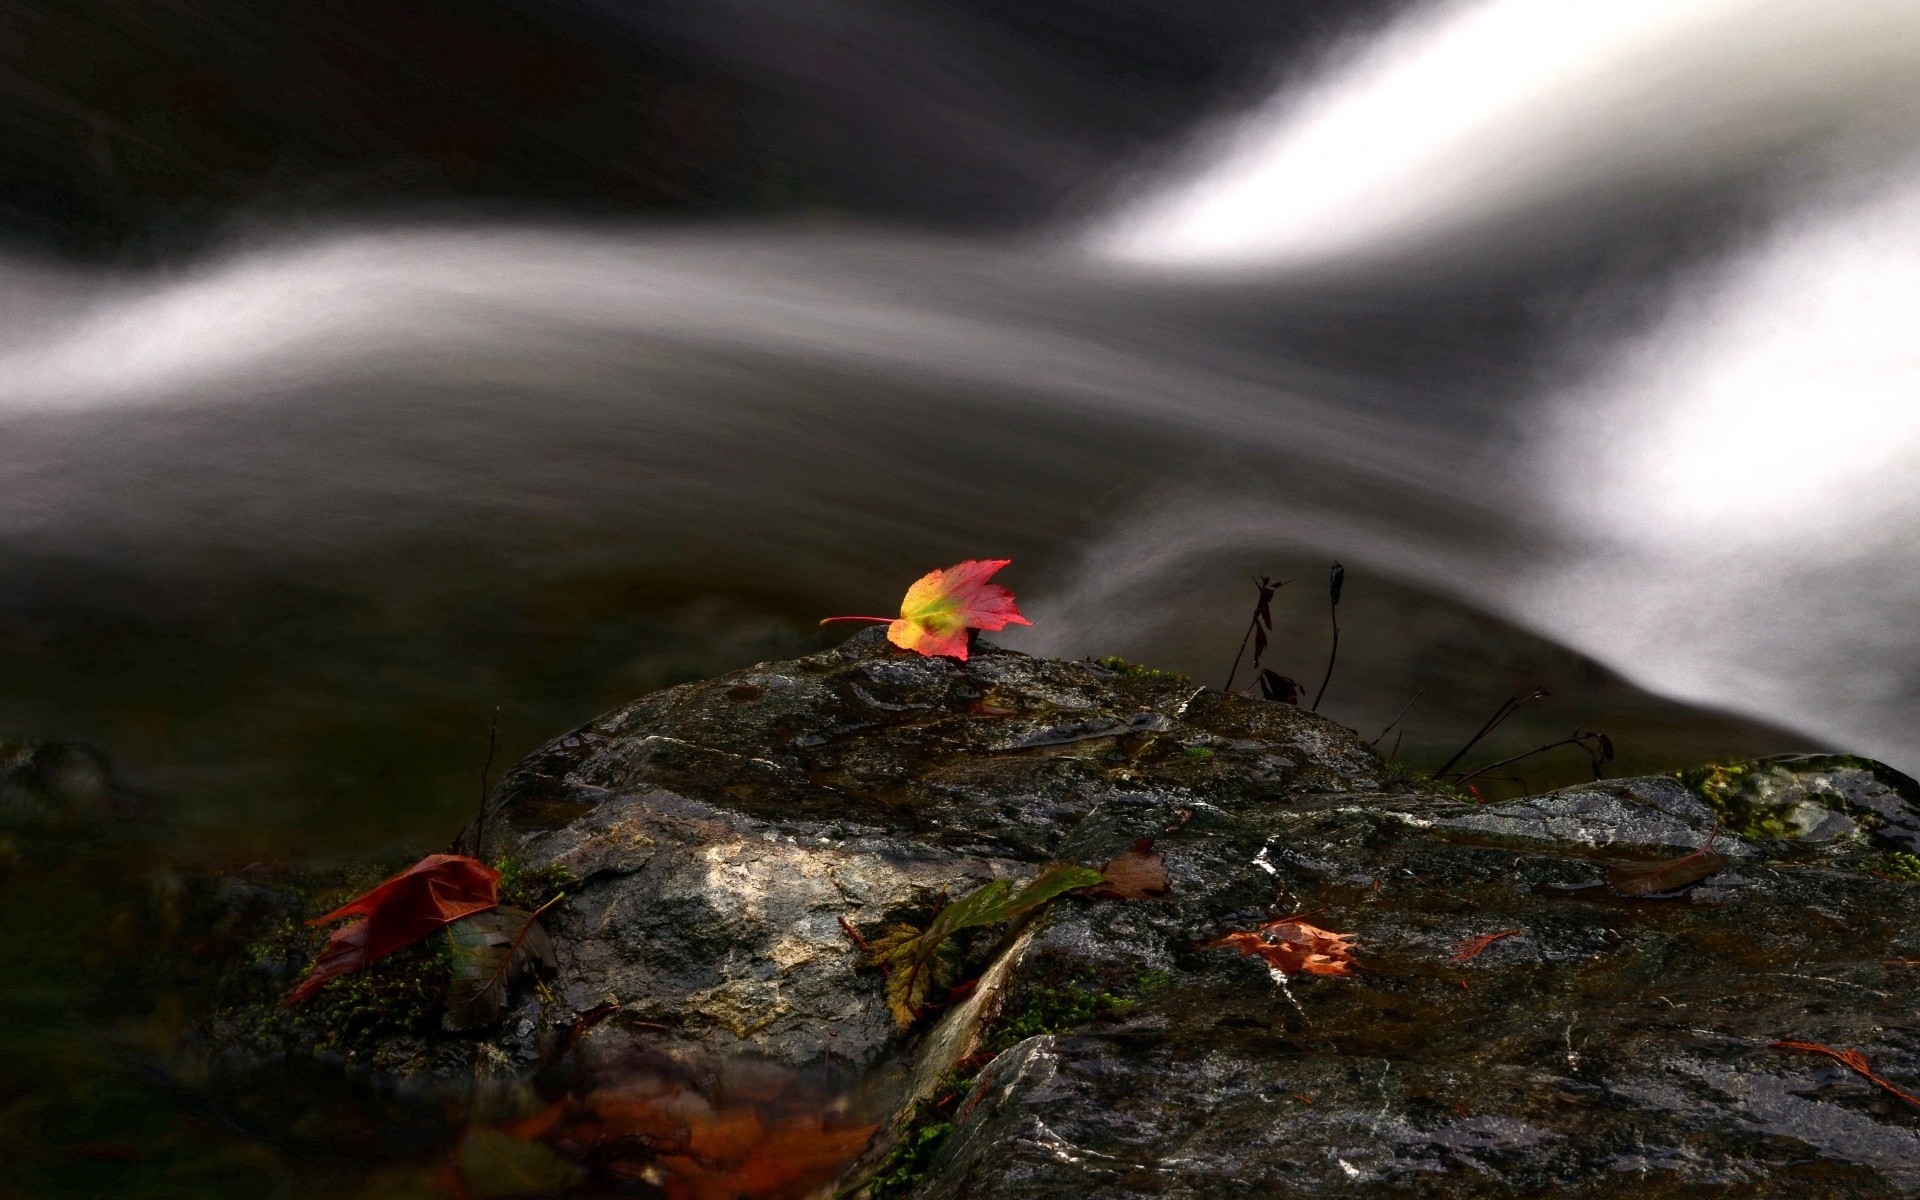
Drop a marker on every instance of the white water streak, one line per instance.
(1465, 116)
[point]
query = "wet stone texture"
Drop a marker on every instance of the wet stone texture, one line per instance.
(719, 833)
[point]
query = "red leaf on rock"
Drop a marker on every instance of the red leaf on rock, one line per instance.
(1853, 1061)
(1472, 947)
(1291, 946)
(1139, 874)
(942, 605)
(437, 889)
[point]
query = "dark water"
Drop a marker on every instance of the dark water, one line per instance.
(1585, 347)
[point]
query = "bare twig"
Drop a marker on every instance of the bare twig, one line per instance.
(1336, 578)
(1511, 705)
(1590, 742)
(486, 786)
(1403, 712)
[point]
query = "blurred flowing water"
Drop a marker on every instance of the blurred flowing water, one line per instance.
(1583, 340)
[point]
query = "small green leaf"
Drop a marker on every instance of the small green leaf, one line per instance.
(919, 963)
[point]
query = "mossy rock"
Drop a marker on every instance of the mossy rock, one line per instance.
(1814, 798)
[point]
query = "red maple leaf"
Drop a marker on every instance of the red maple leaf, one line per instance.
(1291, 946)
(942, 605)
(432, 892)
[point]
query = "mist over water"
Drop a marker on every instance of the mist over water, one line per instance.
(1715, 496)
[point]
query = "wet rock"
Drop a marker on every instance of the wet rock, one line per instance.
(1605, 1045)
(1650, 812)
(723, 842)
(722, 831)
(1815, 798)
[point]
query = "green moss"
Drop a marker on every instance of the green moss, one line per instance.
(1045, 1010)
(1898, 865)
(1060, 995)
(906, 1164)
(1445, 787)
(1199, 752)
(403, 994)
(1133, 670)
(527, 887)
(1725, 788)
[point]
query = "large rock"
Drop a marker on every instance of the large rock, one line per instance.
(727, 839)
(722, 832)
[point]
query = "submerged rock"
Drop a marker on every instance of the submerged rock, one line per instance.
(724, 843)
(47, 785)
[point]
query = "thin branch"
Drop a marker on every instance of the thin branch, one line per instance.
(486, 788)
(1335, 579)
(1578, 739)
(1403, 712)
(1508, 708)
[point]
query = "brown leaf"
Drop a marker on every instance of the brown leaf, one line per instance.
(1292, 946)
(1139, 874)
(1652, 879)
(492, 950)
(1472, 947)
(1853, 1061)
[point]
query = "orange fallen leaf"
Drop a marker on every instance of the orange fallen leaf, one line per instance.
(426, 896)
(1853, 1061)
(1291, 946)
(942, 605)
(1472, 947)
(1139, 874)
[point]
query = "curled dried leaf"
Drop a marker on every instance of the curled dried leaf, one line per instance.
(1853, 1061)
(1663, 878)
(1291, 946)
(1473, 947)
